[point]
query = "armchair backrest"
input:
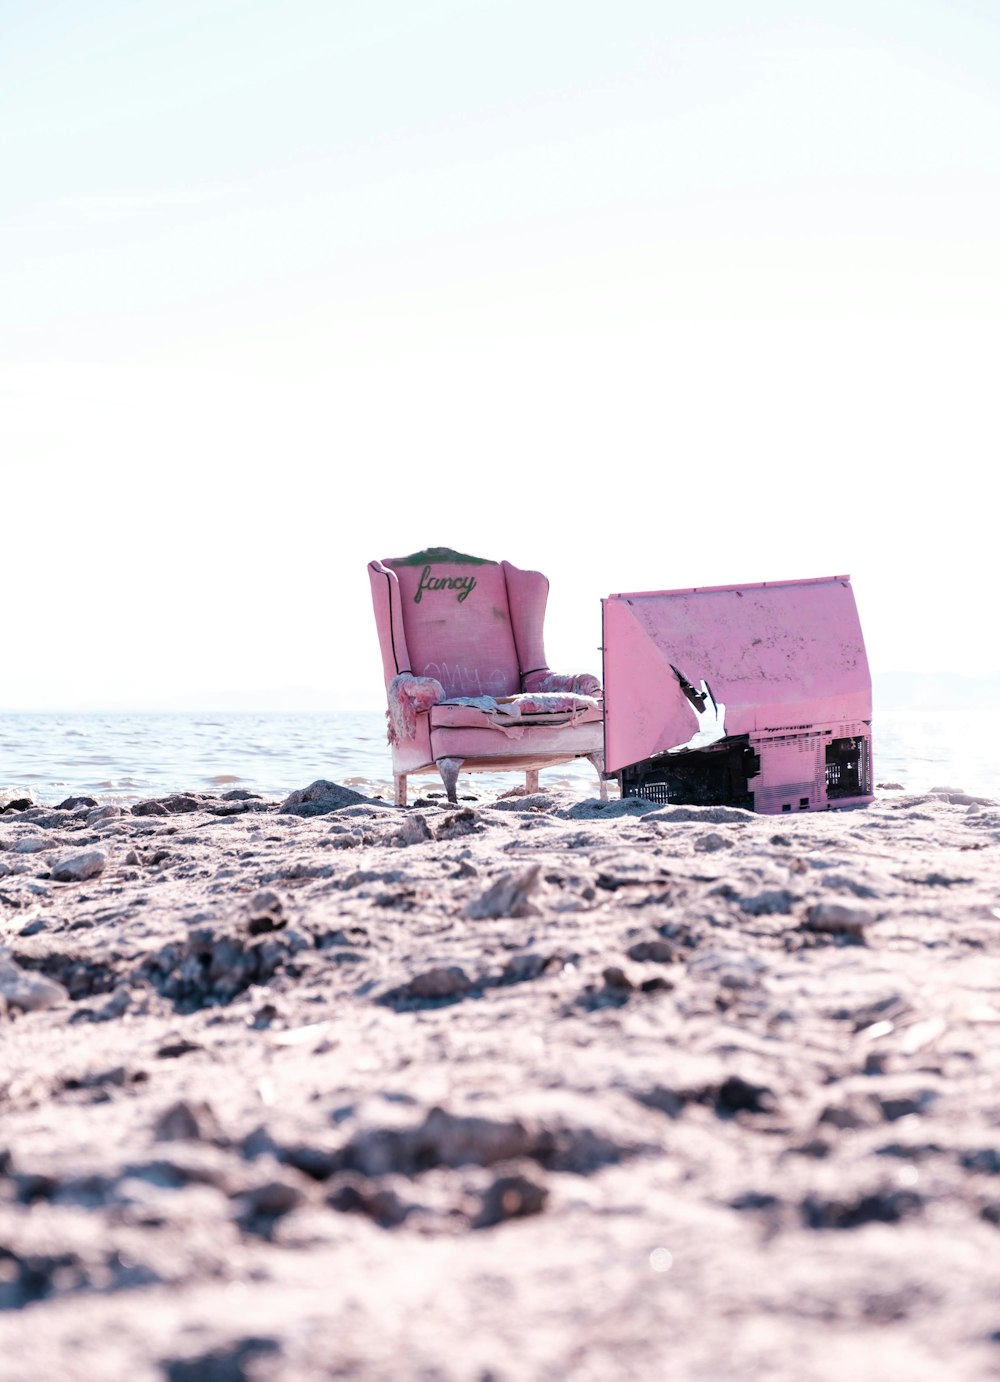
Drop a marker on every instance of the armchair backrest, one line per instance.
(474, 625)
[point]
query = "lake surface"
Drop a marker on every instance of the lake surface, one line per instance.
(126, 757)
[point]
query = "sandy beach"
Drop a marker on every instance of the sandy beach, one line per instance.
(535, 1088)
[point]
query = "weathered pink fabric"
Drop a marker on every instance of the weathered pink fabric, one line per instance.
(470, 717)
(407, 696)
(552, 703)
(584, 683)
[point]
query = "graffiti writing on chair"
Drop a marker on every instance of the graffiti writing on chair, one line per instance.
(464, 585)
(466, 681)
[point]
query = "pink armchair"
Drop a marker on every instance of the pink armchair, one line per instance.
(465, 672)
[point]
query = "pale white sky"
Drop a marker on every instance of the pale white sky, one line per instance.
(643, 295)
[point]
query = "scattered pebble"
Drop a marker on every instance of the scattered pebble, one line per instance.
(25, 991)
(76, 868)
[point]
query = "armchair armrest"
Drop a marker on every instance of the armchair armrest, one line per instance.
(583, 683)
(408, 696)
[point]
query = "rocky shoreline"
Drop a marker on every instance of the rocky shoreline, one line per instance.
(535, 1088)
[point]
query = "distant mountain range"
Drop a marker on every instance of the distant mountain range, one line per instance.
(935, 691)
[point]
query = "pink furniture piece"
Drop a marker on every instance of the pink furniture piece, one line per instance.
(465, 672)
(756, 695)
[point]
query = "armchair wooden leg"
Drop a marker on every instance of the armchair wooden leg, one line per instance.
(449, 769)
(400, 782)
(597, 758)
(531, 780)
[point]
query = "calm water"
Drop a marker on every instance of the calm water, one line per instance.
(126, 757)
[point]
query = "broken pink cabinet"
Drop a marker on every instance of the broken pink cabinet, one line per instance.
(465, 672)
(750, 695)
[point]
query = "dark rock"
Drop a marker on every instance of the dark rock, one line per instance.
(911, 1151)
(269, 1200)
(445, 1139)
(668, 1101)
(149, 808)
(225, 808)
(660, 952)
(756, 1200)
(264, 1016)
(78, 971)
(895, 1106)
(520, 968)
(706, 815)
(186, 1121)
(20, 804)
(879, 1206)
(608, 810)
(774, 901)
(712, 843)
(237, 794)
(508, 896)
(616, 978)
(447, 981)
(936, 880)
(852, 1111)
(210, 967)
(612, 882)
(265, 912)
(816, 1147)
(233, 1363)
(834, 919)
(261, 1142)
(320, 798)
(511, 1197)
(117, 1077)
(413, 831)
(27, 992)
(460, 823)
(353, 1194)
(313, 1159)
(733, 1095)
(737, 1095)
(442, 1139)
(984, 1160)
(170, 1050)
(31, 1277)
(32, 1187)
(71, 803)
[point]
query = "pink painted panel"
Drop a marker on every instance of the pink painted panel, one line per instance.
(776, 656)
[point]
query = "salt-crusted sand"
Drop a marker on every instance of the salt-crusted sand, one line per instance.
(532, 1089)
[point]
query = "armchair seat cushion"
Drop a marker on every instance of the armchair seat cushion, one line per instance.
(516, 712)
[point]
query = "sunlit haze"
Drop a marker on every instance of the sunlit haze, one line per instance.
(644, 296)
